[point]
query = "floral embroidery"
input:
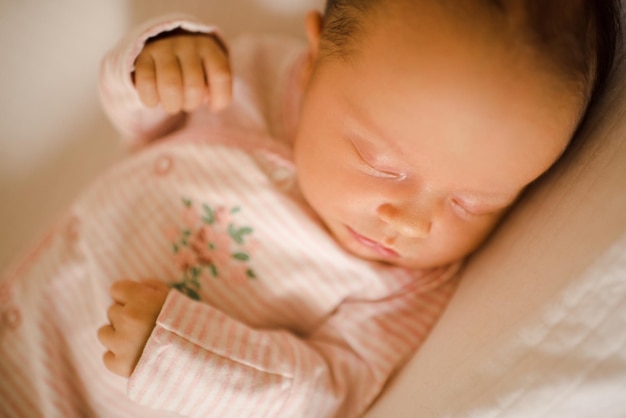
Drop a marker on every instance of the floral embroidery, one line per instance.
(210, 244)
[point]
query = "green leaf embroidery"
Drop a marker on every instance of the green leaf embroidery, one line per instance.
(209, 217)
(246, 230)
(176, 286)
(190, 284)
(184, 289)
(191, 293)
(241, 256)
(237, 234)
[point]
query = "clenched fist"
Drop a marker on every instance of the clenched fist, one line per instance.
(182, 70)
(132, 317)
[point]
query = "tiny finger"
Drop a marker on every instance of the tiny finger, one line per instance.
(114, 313)
(108, 359)
(115, 364)
(106, 335)
(120, 290)
(194, 81)
(169, 83)
(217, 68)
(145, 80)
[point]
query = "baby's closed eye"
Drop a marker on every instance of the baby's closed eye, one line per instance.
(472, 210)
(374, 168)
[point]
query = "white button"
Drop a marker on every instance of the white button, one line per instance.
(163, 165)
(281, 175)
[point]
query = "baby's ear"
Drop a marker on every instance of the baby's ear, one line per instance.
(313, 26)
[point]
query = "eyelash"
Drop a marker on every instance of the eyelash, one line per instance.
(383, 174)
(376, 171)
(462, 211)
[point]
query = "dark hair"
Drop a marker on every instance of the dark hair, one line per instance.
(343, 19)
(580, 37)
(608, 16)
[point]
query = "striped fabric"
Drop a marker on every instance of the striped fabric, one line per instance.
(268, 316)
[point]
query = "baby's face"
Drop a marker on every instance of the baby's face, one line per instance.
(411, 152)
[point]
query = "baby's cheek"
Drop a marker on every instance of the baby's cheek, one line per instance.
(452, 238)
(474, 233)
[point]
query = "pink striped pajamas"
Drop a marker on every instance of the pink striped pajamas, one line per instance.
(268, 316)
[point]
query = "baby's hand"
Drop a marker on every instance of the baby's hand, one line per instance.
(132, 318)
(182, 71)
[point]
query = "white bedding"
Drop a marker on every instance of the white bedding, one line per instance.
(563, 358)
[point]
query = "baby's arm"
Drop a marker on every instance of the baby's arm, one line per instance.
(200, 362)
(159, 72)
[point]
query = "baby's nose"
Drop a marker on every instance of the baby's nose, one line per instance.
(407, 220)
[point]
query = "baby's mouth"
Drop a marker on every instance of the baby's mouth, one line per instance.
(374, 246)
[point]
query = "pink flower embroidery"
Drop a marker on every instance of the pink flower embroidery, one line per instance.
(223, 215)
(200, 245)
(185, 259)
(210, 245)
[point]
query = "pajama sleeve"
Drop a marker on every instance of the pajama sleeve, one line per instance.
(137, 123)
(200, 362)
